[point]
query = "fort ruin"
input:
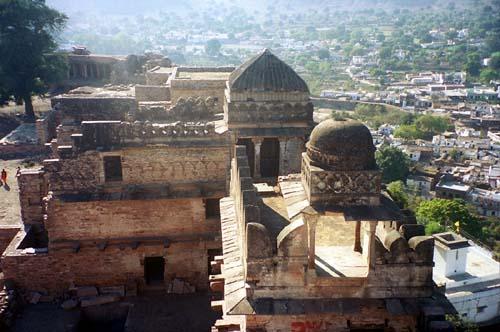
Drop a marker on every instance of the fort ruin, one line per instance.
(218, 180)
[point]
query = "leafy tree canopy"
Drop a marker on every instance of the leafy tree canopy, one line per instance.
(27, 60)
(212, 47)
(439, 214)
(397, 191)
(393, 163)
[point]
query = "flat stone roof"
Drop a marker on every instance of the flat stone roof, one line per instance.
(112, 91)
(23, 134)
(204, 75)
(481, 272)
(452, 185)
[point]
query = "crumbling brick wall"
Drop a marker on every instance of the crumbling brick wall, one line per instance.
(152, 93)
(127, 219)
(32, 190)
(55, 271)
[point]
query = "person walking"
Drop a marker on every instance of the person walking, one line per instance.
(4, 176)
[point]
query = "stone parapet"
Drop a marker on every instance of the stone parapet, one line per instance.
(33, 188)
(108, 134)
(340, 187)
(262, 112)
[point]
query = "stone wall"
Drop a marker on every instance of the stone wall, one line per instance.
(167, 165)
(291, 113)
(100, 220)
(46, 126)
(85, 108)
(32, 190)
(372, 314)
(54, 272)
(7, 233)
(290, 155)
(199, 89)
(152, 93)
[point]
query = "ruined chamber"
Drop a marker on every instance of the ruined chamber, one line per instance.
(329, 252)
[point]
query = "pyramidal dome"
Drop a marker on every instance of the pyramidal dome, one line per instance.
(265, 72)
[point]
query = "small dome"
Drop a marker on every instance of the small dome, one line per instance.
(342, 145)
(265, 72)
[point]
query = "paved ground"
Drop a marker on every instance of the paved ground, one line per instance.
(10, 213)
(176, 313)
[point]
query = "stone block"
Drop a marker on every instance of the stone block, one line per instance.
(97, 300)
(410, 230)
(69, 304)
(258, 241)
(35, 297)
(86, 291)
(112, 290)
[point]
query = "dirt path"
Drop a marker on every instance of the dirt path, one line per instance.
(10, 211)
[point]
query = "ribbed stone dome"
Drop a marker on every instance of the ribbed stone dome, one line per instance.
(342, 145)
(265, 72)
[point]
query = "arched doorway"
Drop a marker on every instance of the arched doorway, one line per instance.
(270, 158)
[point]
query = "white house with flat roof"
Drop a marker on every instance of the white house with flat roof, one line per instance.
(470, 275)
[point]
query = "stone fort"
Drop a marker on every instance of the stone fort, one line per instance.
(218, 180)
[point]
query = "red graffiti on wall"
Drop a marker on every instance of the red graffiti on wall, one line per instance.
(310, 326)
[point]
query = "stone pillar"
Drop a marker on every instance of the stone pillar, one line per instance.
(98, 71)
(369, 243)
(357, 237)
(84, 71)
(283, 170)
(311, 217)
(257, 142)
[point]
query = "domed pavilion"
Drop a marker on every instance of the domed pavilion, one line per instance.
(339, 166)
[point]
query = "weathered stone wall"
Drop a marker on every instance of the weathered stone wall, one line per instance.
(198, 89)
(7, 233)
(171, 218)
(46, 126)
(152, 93)
(32, 189)
(170, 164)
(76, 175)
(370, 315)
(264, 113)
(87, 108)
(340, 187)
(85, 172)
(291, 155)
(55, 271)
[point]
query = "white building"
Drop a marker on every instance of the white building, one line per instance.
(471, 277)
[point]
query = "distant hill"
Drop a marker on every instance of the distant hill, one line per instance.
(132, 7)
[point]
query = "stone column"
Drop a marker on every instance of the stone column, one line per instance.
(370, 228)
(257, 142)
(283, 170)
(357, 237)
(311, 217)
(98, 71)
(84, 71)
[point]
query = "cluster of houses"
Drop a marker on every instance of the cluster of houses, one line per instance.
(460, 164)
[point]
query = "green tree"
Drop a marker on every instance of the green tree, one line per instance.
(28, 64)
(495, 61)
(212, 47)
(447, 213)
(432, 125)
(488, 74)
(324, 54)
(473, 64)
(393, 163)
(408, 132)
(397, 190)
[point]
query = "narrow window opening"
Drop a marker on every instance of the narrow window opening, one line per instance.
(112, 168)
